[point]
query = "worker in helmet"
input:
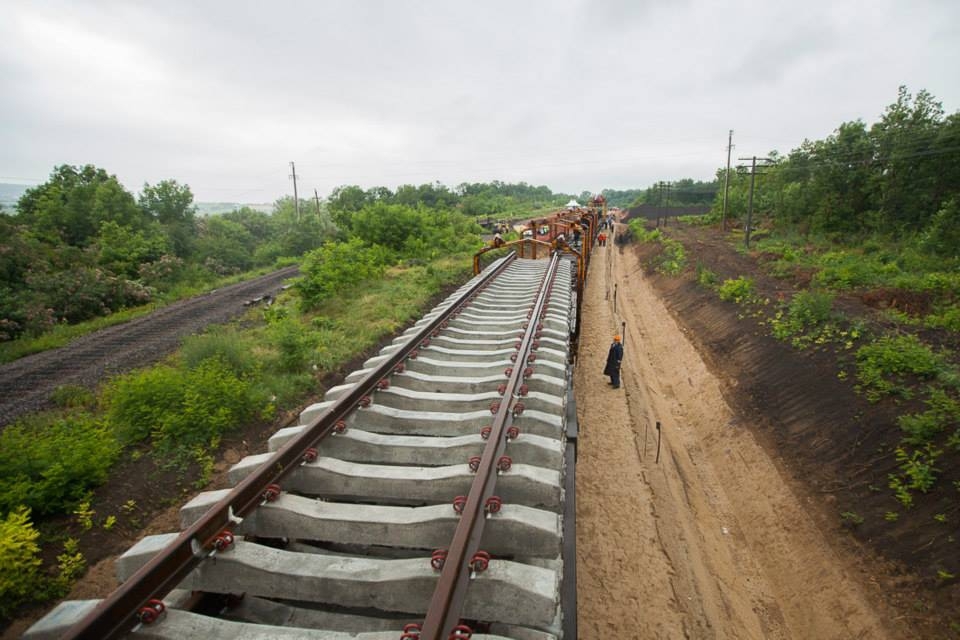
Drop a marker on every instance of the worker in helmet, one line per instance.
(614, 357)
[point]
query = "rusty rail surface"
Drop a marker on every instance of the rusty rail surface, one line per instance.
(118, 613)
(447, 602)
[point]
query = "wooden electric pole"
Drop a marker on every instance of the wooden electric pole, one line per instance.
(726, 183)
(316, 198)
(296, 200)
(753, 176)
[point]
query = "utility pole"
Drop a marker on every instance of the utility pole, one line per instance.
(753, 176)
(316, 198)
(668, 185)
(726, 183)
(296, 200)
(661, 212)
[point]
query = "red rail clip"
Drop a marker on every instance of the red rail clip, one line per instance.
(485, 432)
(494, 407)
(474, 463)
(310, 455)
(504, 463)
(518, 409)
(399, 368)
(461, 632)
(411, 631)
(271, 493)
(493, 504)
(513, 433)
(438, 558)
(224, 540)
(480, 561)
(508, 371)
(365, 401)
(148, 614)
(502, 389)
(383, 383)
(340, 426)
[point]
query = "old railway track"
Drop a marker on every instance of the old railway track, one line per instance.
(429, 497)
(26, 383)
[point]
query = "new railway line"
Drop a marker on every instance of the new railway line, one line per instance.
(430, 496)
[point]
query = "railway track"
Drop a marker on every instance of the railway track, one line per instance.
(429, 497)
(26, 383)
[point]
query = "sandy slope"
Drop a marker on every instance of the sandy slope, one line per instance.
(709, 542)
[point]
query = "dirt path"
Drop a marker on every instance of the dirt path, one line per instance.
(710, 542)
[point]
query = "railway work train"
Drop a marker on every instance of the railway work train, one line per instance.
(430, 496)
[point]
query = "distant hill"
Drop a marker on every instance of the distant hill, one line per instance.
(10, 194)
(211, 208)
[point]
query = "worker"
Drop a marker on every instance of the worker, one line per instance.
(497, 240)
(602, 239)
(614, 357)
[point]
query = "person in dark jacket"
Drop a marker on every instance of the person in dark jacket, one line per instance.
(614, 356)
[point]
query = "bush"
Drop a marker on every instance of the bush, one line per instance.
(942, 412)
(182, 410)
(71, 396)
(227, 344)
(740, 290)
(337, 267)
(807, 310)
(49, 464)
(294, 343)
(883, 366)
(20, 578)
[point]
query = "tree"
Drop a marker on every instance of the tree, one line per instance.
(171, 204)
(74, 202)
(224, 246)
(123, 250)
(344, 202)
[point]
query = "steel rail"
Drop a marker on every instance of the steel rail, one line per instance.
(118, 613)
(446, 603)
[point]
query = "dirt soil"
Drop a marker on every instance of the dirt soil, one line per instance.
(724, 536)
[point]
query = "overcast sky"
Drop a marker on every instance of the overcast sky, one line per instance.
(577, 95)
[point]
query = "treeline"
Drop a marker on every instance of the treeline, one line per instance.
(496, 199)
(678, 193)
(897, 177)
(80, 246)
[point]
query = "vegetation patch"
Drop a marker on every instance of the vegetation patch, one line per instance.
(672, 259)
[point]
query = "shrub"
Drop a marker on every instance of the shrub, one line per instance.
(740, 290)
(227, 344)
(71, 396)
(183, 410)
(137, 403)
(883, 366)
(20, 578)
(807, 310)
(337, 267)
(706, 277)
(49, 464)
(942, 411)
(294, 343)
